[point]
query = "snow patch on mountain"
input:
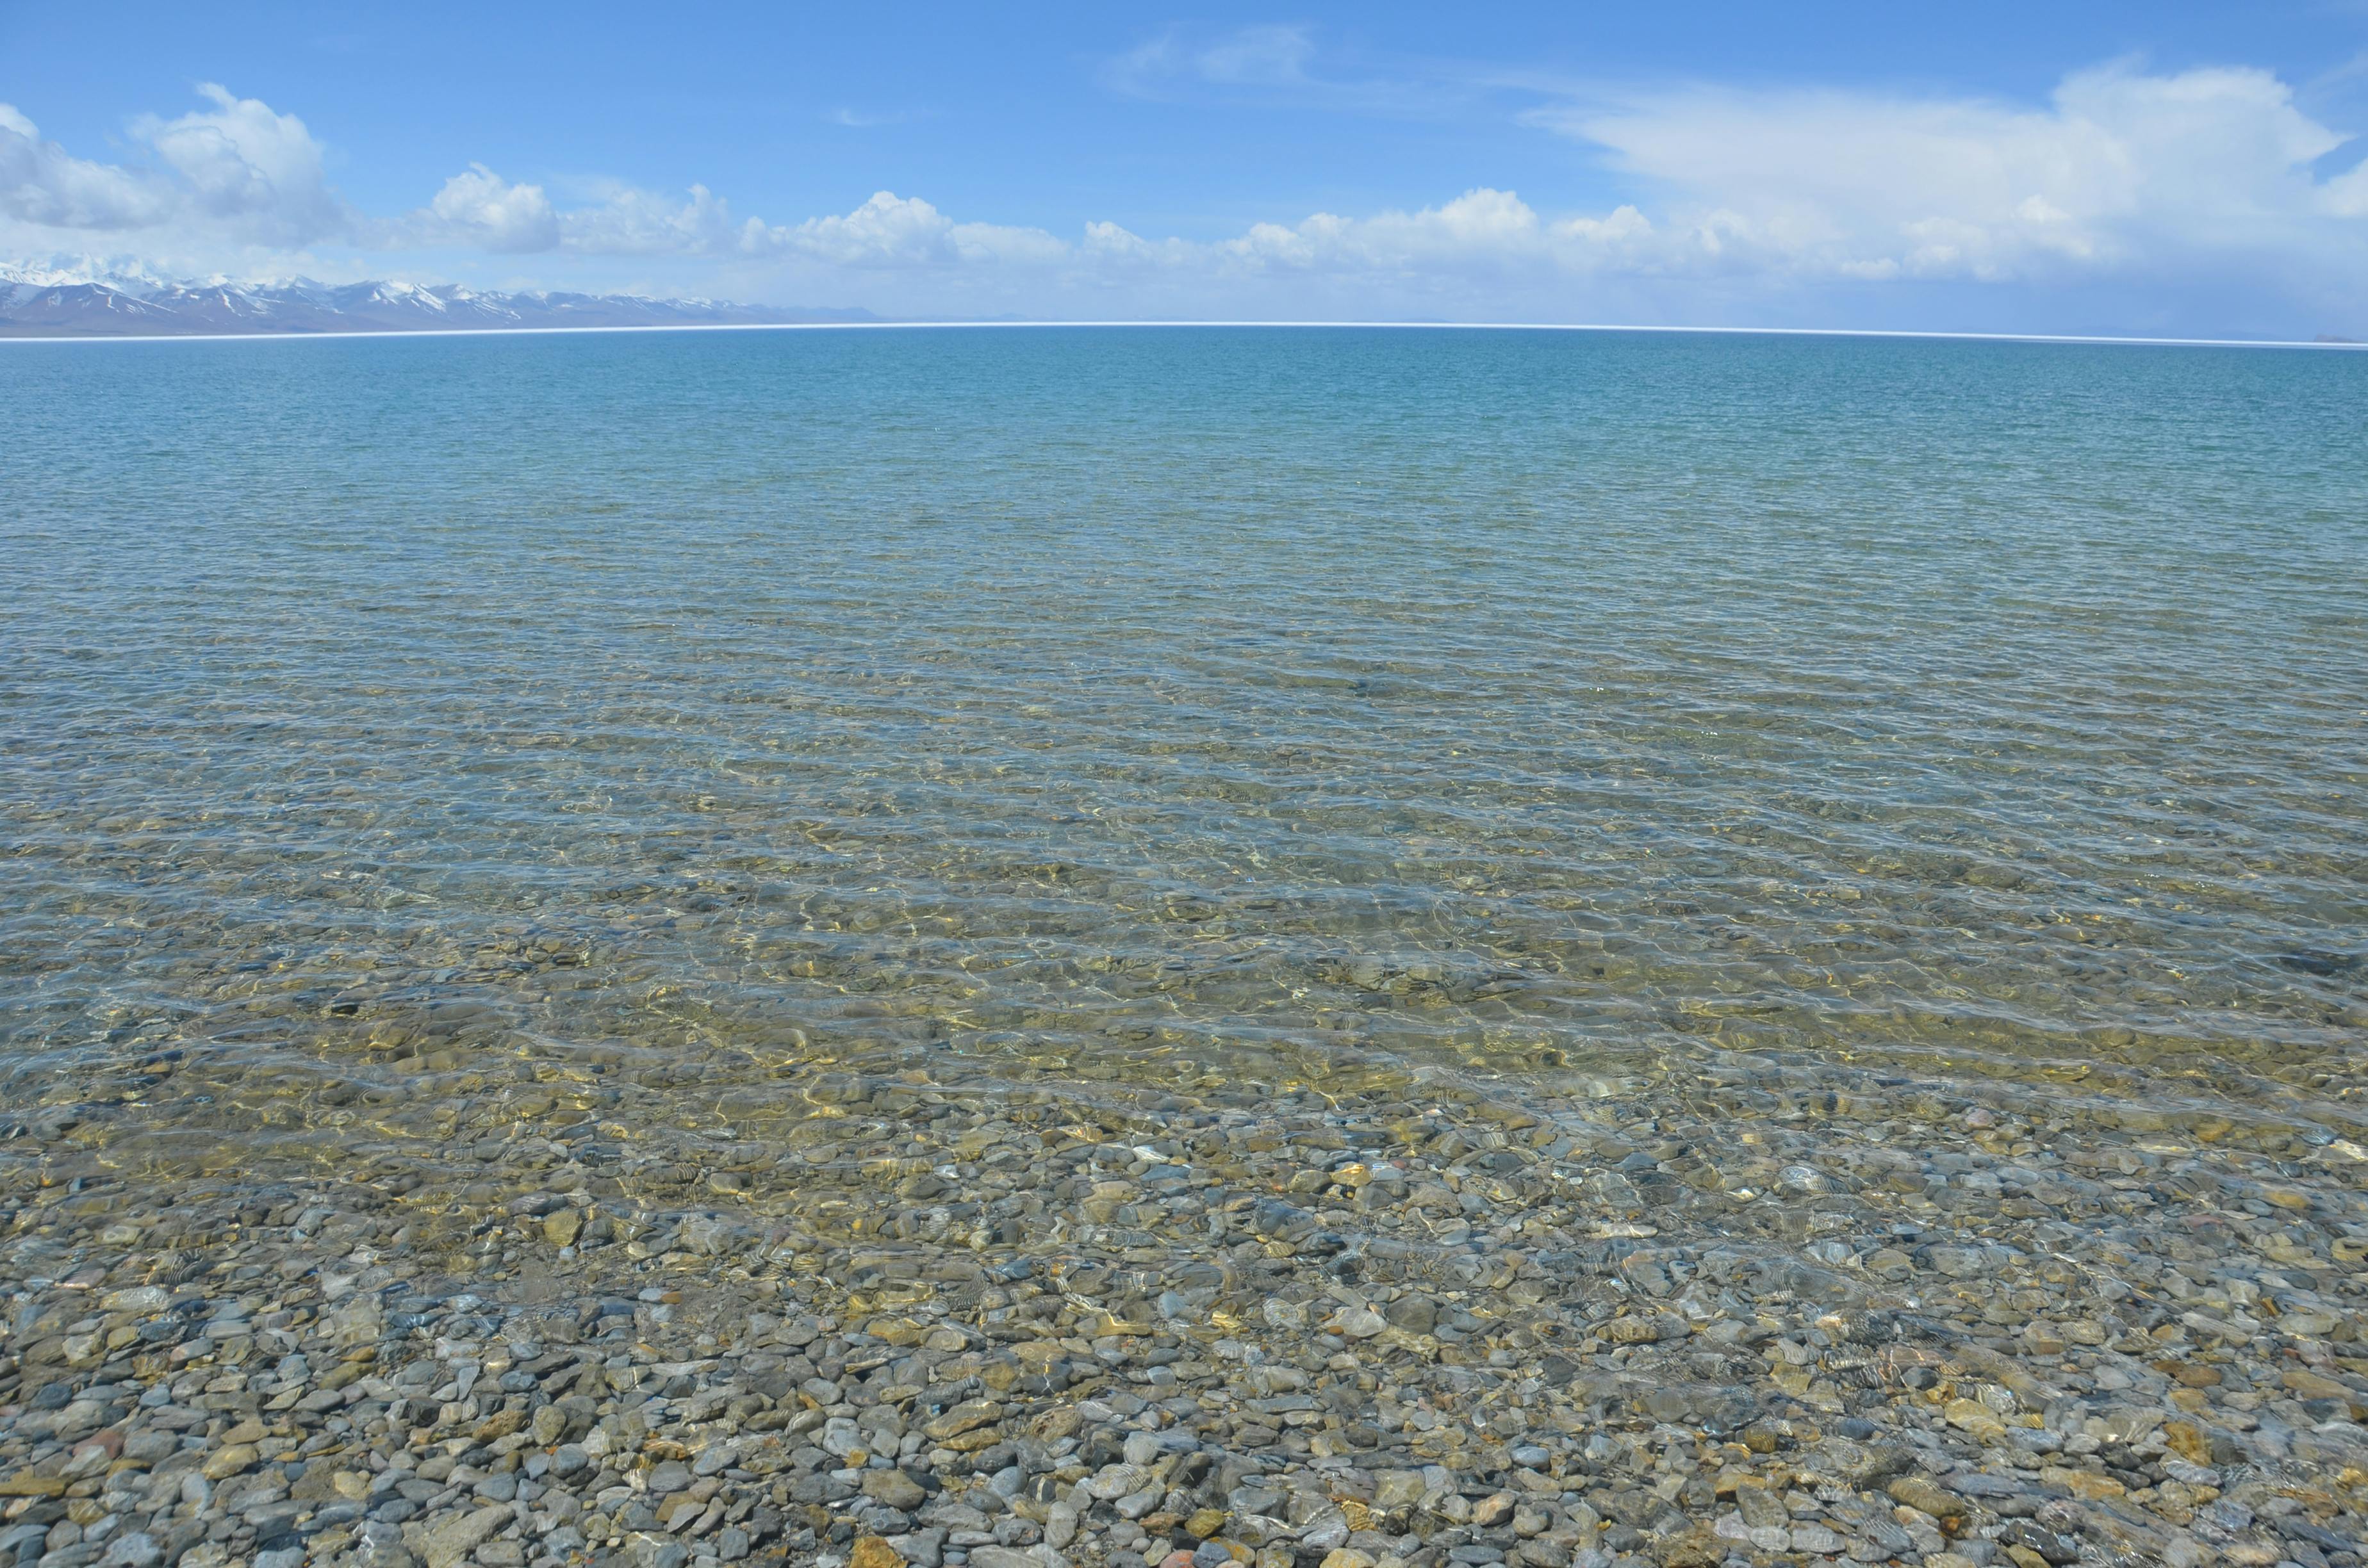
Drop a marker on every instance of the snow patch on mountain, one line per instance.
(64, 300)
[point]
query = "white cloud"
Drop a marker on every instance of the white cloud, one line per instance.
(630, 221)
(40, 184)
(1482, 234)
(478, 206)
(235, 173)
(2121, 172)
(481, 209)
(887, 231)
(2346, 195)
(2121, 169)
(243, 163)
(905, 232)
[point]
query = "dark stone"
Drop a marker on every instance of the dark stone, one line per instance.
(2055, 1548)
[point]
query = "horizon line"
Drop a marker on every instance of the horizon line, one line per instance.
(2075, 338)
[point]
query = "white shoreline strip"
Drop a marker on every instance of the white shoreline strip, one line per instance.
(1057, 325)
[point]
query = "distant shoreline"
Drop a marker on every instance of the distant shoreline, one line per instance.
(13, 336)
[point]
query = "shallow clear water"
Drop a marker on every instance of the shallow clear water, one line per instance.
(405, 741)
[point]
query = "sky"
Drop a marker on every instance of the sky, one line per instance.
(2095, 167)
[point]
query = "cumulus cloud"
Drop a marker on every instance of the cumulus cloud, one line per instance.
(893, 230)
(243, 163)
(2346, 195)
(236, 172)
(888, 231)
(477, 206)
(1481, 228)
(42, 184)
(2119, 169)
(1481, 233)
(631, 221)
(478, 209)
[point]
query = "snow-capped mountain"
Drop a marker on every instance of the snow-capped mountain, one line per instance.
(46, 301)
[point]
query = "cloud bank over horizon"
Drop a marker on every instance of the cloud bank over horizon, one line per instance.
(1737, 202)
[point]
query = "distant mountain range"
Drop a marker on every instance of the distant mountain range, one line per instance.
(46, 303)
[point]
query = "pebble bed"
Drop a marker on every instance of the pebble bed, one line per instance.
(1762, 1320)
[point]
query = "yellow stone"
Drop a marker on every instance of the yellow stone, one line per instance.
(1056, 1423)
(2187, 1440)
(871, 1551)
(2080, 1483)
(229, 1461)
(1921, 1493)
(501, 1423)
(2311, 1385)
(1642, 1331)
(897, 1330)
(1971, 1415)
(967, 1417)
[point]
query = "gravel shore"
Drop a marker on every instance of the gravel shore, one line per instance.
(1752, 1322)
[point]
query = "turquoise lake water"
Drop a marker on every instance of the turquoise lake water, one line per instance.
(1128, 708)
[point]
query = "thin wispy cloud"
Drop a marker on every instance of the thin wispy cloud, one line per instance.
(1279, 64)
(1260, 57)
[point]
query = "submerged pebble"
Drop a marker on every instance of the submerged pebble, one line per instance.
(1602, 952)
(1504, 1352)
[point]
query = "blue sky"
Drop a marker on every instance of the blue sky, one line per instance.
(2021, 167)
